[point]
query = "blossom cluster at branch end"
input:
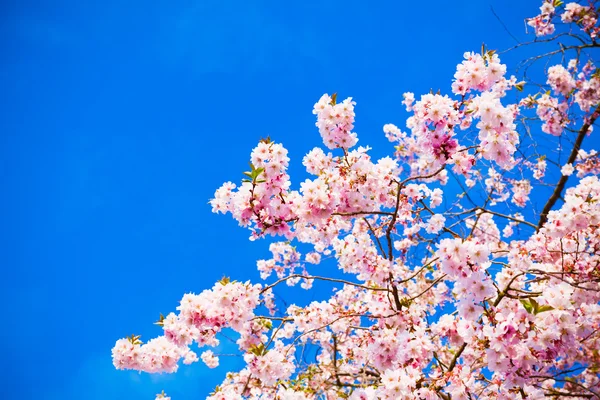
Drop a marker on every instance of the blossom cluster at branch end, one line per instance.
(468, 259)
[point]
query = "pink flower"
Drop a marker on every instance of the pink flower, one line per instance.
(560, 80)
(425, 303)
(210, 359)
(335, 122)
(435, 223)
(567, 169)
(409, 99)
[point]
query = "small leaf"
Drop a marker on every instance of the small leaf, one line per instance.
(534, 304)
(160, 320)
(253, 173)
(258, 350)
(135, 339)
(225, 280)
(217, 390)
(541, 309)
(527, 306)
(520, 85)
(266, 323)
(259, 171)
(333, 99)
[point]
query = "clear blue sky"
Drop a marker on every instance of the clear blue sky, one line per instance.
(119, 119)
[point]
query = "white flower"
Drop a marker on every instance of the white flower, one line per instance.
(567, 169)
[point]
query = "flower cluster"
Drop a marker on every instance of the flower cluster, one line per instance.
(335, 122)
(497, 130)
(585, 16)
(560, 80)
(542, 23)
(158, 355)
(553, 113)
(477, 72)
(447, 288)
(588, 93)
(200, 318)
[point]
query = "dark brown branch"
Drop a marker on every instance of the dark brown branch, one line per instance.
(375, 236)
(335, 361)
(563, 179)
(388, 232)
(457, 356)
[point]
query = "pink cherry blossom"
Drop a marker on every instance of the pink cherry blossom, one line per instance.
(464, 264)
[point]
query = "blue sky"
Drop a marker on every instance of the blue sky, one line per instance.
(119, 119)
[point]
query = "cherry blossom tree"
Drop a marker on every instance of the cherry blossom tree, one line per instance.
(454, 285)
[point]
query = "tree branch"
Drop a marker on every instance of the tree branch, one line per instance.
(563, 179)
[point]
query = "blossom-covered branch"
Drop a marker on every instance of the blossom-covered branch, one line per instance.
(459, 289)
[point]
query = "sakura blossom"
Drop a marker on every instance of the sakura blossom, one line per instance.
(567, 169)
(450, 280)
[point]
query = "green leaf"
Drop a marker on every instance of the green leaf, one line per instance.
(266, 323)
(254, 173)
(258, 350)
(333, 99)
(405, 302)
(520, 85)
(135, 339)
(225, 280)
(258, 171)
(160, 320)
(527, 306)
(534, 305)
(217, 390)
(544, 308)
